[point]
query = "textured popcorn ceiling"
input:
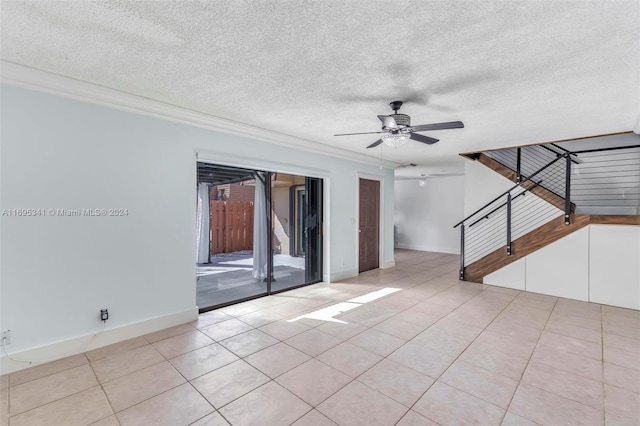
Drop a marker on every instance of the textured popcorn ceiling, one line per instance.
(514, 72)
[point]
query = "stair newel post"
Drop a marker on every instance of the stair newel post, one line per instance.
(518, 165)
(509, 224)
(567, 190)
(461, 252)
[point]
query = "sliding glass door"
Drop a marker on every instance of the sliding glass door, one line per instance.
(313, 230)
(259, 233)
(233, 227)
(297, 231)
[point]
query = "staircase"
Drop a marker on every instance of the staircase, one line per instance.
(557, 190)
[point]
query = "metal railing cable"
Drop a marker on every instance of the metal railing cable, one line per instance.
(505, 218)
(607, 181)
(604, 178)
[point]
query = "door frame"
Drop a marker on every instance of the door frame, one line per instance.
(293, 194)
(204, 155)
(261, 164)
(381, 180)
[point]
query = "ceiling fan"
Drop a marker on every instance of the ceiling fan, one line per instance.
(397, 129)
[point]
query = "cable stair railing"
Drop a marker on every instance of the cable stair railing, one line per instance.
(547, 180)
(602, 180)
(507, 217)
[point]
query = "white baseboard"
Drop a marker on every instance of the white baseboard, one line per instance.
(437, 249)
(389, 264)
(92, 341)
(339, 276)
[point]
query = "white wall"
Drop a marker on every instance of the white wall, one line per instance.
(424, 216)
(598, 263)
(614, 268)
(57, 272)
(512, 276)
(561, 268)
(481, 185)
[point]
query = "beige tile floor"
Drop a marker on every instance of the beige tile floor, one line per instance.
(439, 351)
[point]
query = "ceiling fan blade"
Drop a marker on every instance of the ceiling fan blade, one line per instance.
(463, 81)
(410, 97)
(365, 133)
(388, 122)
(440, 107)
(424, 139)
(438, 126)
(376, 143)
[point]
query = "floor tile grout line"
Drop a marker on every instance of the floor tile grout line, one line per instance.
(271, 379)
(234, 399)
(553, 331)
(146, 399)
(157, 395)
(199, 393)
(529, 362)
(615, 331)
(9, 398)
(46, 375)
(576, 374)
(353, 379)
(118, 353)
(165, 359)
(442, 317)
(113, 412)
(604, 389)
(312, 408)
(58, 399)
(524, 370)
(571, 372)
(576, 338)
(169, 337)
(457, 357)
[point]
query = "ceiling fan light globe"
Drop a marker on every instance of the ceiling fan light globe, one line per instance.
(395, 140)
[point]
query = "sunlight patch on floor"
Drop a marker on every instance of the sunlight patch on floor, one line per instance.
(328, 313)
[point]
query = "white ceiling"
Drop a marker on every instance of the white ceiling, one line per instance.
(514, 72)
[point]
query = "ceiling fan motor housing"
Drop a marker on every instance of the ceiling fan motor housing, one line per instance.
(402, 119)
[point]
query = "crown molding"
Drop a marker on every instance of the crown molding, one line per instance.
(43, 81)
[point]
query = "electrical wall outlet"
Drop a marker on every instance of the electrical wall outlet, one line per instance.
(104, 314)
(6, 337)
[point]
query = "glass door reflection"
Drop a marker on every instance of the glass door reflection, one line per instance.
(296, 225)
